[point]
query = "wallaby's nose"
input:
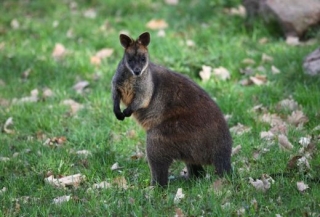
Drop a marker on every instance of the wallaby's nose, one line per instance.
(137, 71)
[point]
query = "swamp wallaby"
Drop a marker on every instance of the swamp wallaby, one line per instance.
(181, 120)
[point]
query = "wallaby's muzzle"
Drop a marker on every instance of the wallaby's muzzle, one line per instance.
(137, 71)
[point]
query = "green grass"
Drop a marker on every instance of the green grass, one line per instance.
(221, 40)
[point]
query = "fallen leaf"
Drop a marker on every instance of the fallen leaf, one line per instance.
(261, 69)
(15, 24)
(131, 200)
(90, 13)
(226, 205)
(245, 82)
(156, 24)
(73, 5)
(262, 185)
(131, 134)
(32, 98)
(266, 135)
(302, 186)
(217, 185)
(275, 70)
(266, 58)
(284, 142)
(95, 60)
(74, 106)
(190, 43)
(102, 185)
(205, 73)
(287, 105)
(104, 53)
(263, 40)
(293, 162)
(138, 154)
(254, 203)
(161, 33)
(70, 33)
(2, 45)
(6, 125)
(17, 209)
(259, 108)
(41, 136)
(279, 129)
(248, 61)
(115, 166)
(55, 141)
(304, 141)
(227, 117)
(120, 182)
(72, 180)
(84, 153)
(179, 196)
(47, 92)
(303, 164)
(179, 213)
(256, 154)
(222, 73)
(236, 150)
(238, 11)
(272, 119)
(297, 118)
(80, 86)
(310, 148)
(2, 83)
(62, 199)
(240, 129)
(25, 74)
(4, 159)
(171, 2)
(258, 79)
(55, 24)
(4, 102)
(247, 71)
(59, 51)
(241, 211)
(317, 128)
(292, 40)
(3, 190)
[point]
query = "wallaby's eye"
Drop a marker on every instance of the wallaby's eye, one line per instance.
(130, 60)
(143, 59)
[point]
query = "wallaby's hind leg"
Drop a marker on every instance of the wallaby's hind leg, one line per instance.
(222, 165)
(195, 171)
(159, 173)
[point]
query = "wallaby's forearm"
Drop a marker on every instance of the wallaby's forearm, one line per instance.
(116, 105)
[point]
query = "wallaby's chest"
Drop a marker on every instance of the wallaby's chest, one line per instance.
(127, 91)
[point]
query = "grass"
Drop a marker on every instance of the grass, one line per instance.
(220, 39)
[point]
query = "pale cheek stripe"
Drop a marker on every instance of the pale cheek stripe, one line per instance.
(144, 68)
(129, 68)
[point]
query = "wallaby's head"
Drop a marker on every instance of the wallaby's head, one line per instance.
(136, 56)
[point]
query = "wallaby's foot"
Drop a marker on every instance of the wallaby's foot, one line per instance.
(127, 112)
(120, 116)
(223, 167)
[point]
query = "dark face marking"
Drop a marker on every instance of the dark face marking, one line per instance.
(136, 59)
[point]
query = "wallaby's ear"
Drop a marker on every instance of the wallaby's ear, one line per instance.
(125, 40)
(144, 39)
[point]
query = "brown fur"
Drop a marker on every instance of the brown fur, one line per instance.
(181, 120)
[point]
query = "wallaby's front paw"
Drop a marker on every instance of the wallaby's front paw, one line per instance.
(127, 112)
(120, 116)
